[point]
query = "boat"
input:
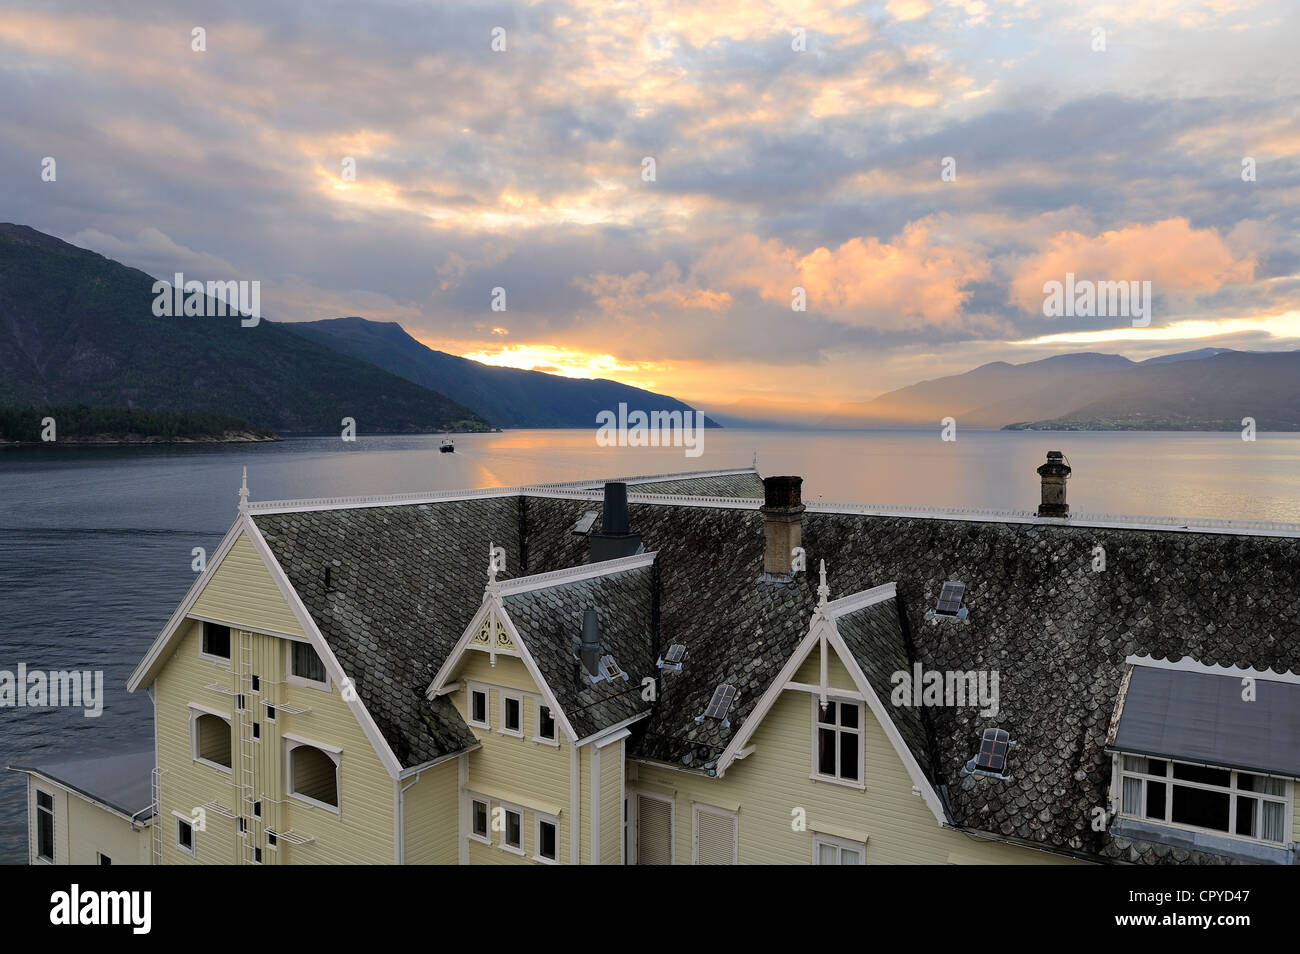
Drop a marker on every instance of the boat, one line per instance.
(448, 446)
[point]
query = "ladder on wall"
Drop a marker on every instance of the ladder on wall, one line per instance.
(155, 838)
(245, 828)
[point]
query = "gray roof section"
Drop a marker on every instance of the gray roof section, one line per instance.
(1201, 717)
(119, 780)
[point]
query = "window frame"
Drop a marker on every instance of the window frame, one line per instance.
(102, 860)
(486, 837)
(511, 695)
(40, 810)
(540, 819)
(188, 822)
(554, 738)
(196, 712)
(335, 755)
(470, 689)
(203, 640)
(295, 680)
(860, 783)
(821, 839)
(1287, 800)
(520, 849)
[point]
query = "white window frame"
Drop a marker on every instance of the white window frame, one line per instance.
(470, 689)
(196, 711)
(509, 809)
(696, 809)
(220, 660)
(839, 844)
(538, 705)
(859, 783)
(99, 859)
(335, 754)
(508, 694)
(54, 826)
(183, 819)
(485, 839)
(538, 819)
(1233, 793)
(303, 681)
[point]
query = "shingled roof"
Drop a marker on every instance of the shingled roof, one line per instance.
(410, 577)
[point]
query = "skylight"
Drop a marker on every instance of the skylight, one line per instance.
(719, 705)
(991, 760)
(584, 524)
(610, 669)
(672, 660)
(949, 605)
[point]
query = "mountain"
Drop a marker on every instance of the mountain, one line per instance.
(1209, 389)
(510, 397)
(79, 328)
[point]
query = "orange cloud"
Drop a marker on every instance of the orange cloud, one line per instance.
(1178, 260)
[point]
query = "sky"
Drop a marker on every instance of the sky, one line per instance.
(920, 169)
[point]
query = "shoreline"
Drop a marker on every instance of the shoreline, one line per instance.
(150, 440)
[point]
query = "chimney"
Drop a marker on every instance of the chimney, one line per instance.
(1054, 473)
(782, 523)
(589, 648)
(614, 539)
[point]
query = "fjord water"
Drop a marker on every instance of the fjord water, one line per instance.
(95, 543)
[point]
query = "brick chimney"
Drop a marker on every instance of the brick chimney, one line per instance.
(782, 523)
(1054, 474)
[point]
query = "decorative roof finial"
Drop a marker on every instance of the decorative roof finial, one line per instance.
(755, 464)
(492, 563)
(823, 591)
(243, 493)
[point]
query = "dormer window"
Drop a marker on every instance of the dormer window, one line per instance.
(1205, 798)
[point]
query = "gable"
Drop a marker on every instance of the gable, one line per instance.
(242, 592)
(837, 675)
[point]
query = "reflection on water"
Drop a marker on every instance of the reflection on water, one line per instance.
(95, 542)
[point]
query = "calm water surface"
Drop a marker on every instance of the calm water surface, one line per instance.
(95, 543)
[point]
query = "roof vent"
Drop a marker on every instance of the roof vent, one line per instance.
(589, 648)
(672, 660)
(949, 605)
(995, 747)
(614, 539)
(329, 578)
(719, 705)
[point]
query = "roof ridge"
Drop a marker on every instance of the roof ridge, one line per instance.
(861, 600)
(574, 574)
(1188, 664)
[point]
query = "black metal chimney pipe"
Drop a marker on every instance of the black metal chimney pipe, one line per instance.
(590, 648)
(614, 539)
(614, 518)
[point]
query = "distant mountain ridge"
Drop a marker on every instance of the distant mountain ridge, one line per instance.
(510, 397)
(1207, 389)
(78, 328)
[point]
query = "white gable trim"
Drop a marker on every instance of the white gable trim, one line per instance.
(332, 666)
(821, 633)
(574, 574)
(164, 637)
(492, 604)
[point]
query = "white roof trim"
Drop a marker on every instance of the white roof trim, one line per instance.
(493, 605)
(612, 730)
(1188, 664)
(586, 490)
(332, 666)
(856, 601)
(574, 574)
(164, 637)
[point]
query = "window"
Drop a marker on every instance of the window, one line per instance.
(1239, 804)
(545, 724)
(654, 830)
(715, 836)
(837, 753)
(512, 838)
(216, 641)
(269, 710)
(102, 858)
(257, 809)
(479, 819)
(256, 685)
(314, 775)
(829, 850)
(270, 839)
(210, 738)
(257, 856)
(544, 843)
(44, 826)
(257, 730)
(305, 665)
(512, 714)
(184, 834)
(478, 707)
